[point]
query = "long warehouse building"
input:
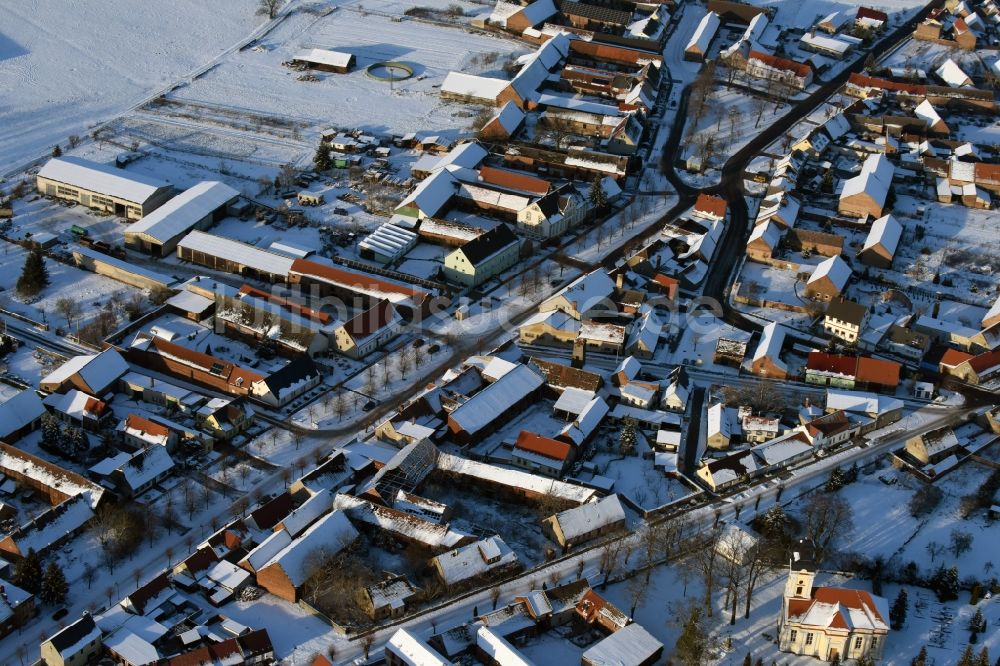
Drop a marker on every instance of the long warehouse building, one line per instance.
(196, 208)
(102, 187)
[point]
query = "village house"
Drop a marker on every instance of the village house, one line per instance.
(763, 242)
(541, 454)
(368, 331)
(585, 522)
(588, 297)
(405, 649)
(759, 429)
(551, 328)
(79, 409)
(287, 570)
(698, 46)
(828, 622)
(102, 187)
(762, 65)
(477, 415)
(866, 194)
(471, 563)
(718, 432)
(95, 374)
(20, 415)
(932, 447)
(75, 645)
(630, 646)
(483, 257)
(133, 473)
(766, 361)
(978, 369)
(224, 418)
(881, 243)
(16, 607)
(388, 598)
(851, 372)
(828, 280)
(845, 319)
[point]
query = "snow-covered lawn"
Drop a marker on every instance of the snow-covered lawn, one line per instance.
(89, 290)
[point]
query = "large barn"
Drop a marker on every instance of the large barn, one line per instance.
(197, 208)
(102, 187)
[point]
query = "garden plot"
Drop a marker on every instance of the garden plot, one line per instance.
(928, 56)
(375, 33)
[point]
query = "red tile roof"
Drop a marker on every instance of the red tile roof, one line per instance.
(798, 68)
(95, 406)
(862, 81)
(514, 180)
(954, 357)
(711, 205)
(543, 446)
(985, 361)
(987, 173)
(291, 306)
(878, 371)
(353, 279)
(823, 362)
(233, 374)
(869, 13)
(142, 424)
(850, 599)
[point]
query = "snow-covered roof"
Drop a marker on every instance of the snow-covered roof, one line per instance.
(952, 74)
(825, 43)
(484, 407)
(651, 416)
(431, 195)
(410, 527)
(509, 117)
(718, 420)
(54, 525)
(389, 240)
(631, 645)
(126, 267)
(98, 371)
(412, 651)
(602, 332)
(498, 650)
(182, 212)
(586, 292)
(103, 178)
(771, 340)
(587, 421)
(852, 401)
(834, 268)
(926, 111)
(310, 510)
(48, 474)
(704, 33)
(334, 532)
(886, 231)
(837, 126)
(189, 301)
(835, 19)
(265, 551)
(590, 517)
(514, 478)
(785, 447)
(476, 87)
(325, 57)
(767, 232)
(139, 468)
(237, 252)
(875, 179)
(227, 574)
(573, 400)
(470, 561)
(20, 410)
(638, 392)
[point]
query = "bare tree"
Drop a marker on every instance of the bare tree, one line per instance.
(758, 105)
(755, 566)
(495, 596)
(609, 559)
(636, 590)
(736, 545)
(169, 552)
(268, 8)
(705, 562)
(69, 308)
(935, 550)
(824, 518)
(340, 405)
(88, 573)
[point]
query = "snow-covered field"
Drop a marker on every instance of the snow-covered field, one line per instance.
(67, 65)
(372, 32)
